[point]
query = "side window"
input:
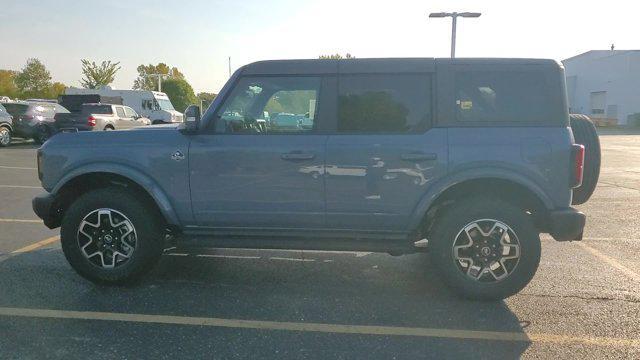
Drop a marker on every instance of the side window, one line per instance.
(61, 109)
(147, 104)
(502, 96)
(384, 103)
(263, 105)
(129, 112)
(120, 111)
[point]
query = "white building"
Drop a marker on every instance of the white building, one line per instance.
(604, 83)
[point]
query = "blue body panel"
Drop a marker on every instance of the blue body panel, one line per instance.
(374, 182)
(244, 181)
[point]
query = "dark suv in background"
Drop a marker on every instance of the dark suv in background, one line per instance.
(468, 159)
(33, 119)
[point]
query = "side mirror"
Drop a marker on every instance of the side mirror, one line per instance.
(192, 118)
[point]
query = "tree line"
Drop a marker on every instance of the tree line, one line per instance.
(34, 81)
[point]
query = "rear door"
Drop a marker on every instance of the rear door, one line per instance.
(247, 172)
(384, 154)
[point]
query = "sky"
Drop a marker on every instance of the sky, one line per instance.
(199, 36)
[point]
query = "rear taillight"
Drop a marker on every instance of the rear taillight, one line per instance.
(577, 159)
(91, 121)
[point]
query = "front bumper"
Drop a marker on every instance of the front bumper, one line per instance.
(44, 207)
(566, 224)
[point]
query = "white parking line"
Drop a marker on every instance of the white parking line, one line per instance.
(290, 259)
(17, 167)
(33, 221)
(227, 256)
(20, 187)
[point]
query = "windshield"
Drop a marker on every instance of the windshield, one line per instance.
(165, 104)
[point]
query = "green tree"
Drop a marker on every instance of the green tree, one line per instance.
(180, 93)
(206, 99)
(56, 90)
(337, 56)
(7, 83)
(34, 81)
(147, 76)
(95, 76)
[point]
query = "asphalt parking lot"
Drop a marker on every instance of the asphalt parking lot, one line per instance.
(584, 301)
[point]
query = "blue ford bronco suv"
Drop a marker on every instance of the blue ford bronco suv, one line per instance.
(467, 159)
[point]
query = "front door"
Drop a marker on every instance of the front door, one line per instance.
(260, 164)
(384, 154)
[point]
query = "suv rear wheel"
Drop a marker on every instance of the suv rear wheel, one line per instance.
(110, 236)
(486, 249)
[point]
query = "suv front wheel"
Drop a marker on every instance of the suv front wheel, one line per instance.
(109, 236)
(485, 249)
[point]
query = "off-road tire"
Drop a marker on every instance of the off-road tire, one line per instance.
(456, 217)
(147, 224)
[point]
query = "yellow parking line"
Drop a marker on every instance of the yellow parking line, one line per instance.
(37, 245)
(319, 327)
(611, 261)
(22, 221)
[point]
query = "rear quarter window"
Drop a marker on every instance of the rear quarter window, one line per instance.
(97, 109)
(16, 109)
(520, 97)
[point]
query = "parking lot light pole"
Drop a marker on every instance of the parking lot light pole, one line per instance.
(454, 20)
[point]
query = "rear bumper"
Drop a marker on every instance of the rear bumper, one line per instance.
(566, 224)
(44, 207)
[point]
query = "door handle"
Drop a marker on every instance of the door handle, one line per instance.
(419, 156)
(297, 155)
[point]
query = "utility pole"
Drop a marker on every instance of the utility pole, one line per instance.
(454, 20)
(229, 66)
(160, 76)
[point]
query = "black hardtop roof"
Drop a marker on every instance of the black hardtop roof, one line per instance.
(373, 65)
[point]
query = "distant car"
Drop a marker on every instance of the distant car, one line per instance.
(291, 122)
(33, 120)
(4, 99)
(100, 117)
(6, 127)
